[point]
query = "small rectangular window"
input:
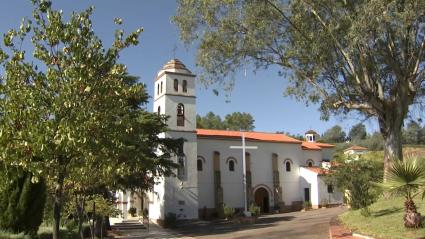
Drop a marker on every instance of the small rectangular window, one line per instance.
(330, 188)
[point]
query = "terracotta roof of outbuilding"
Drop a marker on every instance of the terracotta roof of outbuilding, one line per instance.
(355, 147)
(259, 136)
(175, 64)
(318, 170)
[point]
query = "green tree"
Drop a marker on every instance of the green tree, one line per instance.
(357, 176)
(357, 132)
(233, 121)
(406, 179)
(334, 135)
(412, 133)
(22, 203)
(362, 56)
(239, 121)
(73, 114)
(209, 121)
(373, 142)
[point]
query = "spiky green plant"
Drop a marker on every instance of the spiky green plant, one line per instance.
(407, 178)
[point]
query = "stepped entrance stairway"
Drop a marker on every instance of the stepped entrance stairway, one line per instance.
(128, 229)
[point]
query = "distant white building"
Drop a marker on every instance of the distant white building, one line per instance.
(355, 151)
(281, 174)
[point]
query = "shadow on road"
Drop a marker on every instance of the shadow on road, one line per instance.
(202, 228)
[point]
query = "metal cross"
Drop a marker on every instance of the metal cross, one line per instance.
(244, 148)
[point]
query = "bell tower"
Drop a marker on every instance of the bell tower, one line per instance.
(174, 96)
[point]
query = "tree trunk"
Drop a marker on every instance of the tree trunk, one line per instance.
(412, 219)
(390, 125)
(57, 206)
(392, 148)
(80, 204)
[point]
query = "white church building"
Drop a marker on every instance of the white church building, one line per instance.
(281, 174)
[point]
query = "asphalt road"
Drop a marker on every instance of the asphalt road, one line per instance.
(296, 225)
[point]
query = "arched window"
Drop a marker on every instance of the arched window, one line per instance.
(184, 86)
(231, 165)
(176, 85)
(310, 163)
(180, 115)
(159, 110)
(288, 166)
(157, 91)
(161, 86)
(199, 164)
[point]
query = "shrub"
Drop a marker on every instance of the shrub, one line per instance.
(132, 211)
(307, 205)
(11, 235)
(254, 210)
(22, 203)
(170, 220)
(357, 176)
(229, 212)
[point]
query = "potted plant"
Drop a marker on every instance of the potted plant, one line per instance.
(132, 211)
(254, 210)
(229, 212)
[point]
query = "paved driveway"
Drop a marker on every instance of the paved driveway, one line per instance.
(296, 225)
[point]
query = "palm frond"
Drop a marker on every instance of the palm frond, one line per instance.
(405, 177)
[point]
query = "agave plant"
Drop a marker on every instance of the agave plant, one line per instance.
(407, 178)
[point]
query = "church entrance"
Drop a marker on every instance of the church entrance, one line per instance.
(262, 199)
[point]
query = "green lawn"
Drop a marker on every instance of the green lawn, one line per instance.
(386, 220)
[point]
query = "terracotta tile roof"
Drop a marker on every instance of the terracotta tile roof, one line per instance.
(318, 170)
(260, 136)
(323, 145)
(315, 146)
(310, 146)
(355, 147)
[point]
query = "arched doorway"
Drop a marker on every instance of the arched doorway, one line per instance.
(262, 199)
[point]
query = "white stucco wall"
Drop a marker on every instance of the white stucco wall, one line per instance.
(261, 169)
(327, 153)
(314, 155)
(309, 180)
(328, 198)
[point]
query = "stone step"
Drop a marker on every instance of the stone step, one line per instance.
(128, 225)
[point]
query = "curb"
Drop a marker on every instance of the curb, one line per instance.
(339, 231)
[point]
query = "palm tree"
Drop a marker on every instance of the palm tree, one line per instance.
(407, 178)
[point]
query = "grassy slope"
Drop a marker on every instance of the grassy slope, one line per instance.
(386, 220)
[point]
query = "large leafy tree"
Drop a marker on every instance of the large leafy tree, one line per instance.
(233, 121)
(69, 111)
(357, 132)
(364, 56)
(412, 133)
(239, 121)
(334, 135)
(209, 121)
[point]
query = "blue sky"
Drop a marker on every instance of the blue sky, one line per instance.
(260, 93)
